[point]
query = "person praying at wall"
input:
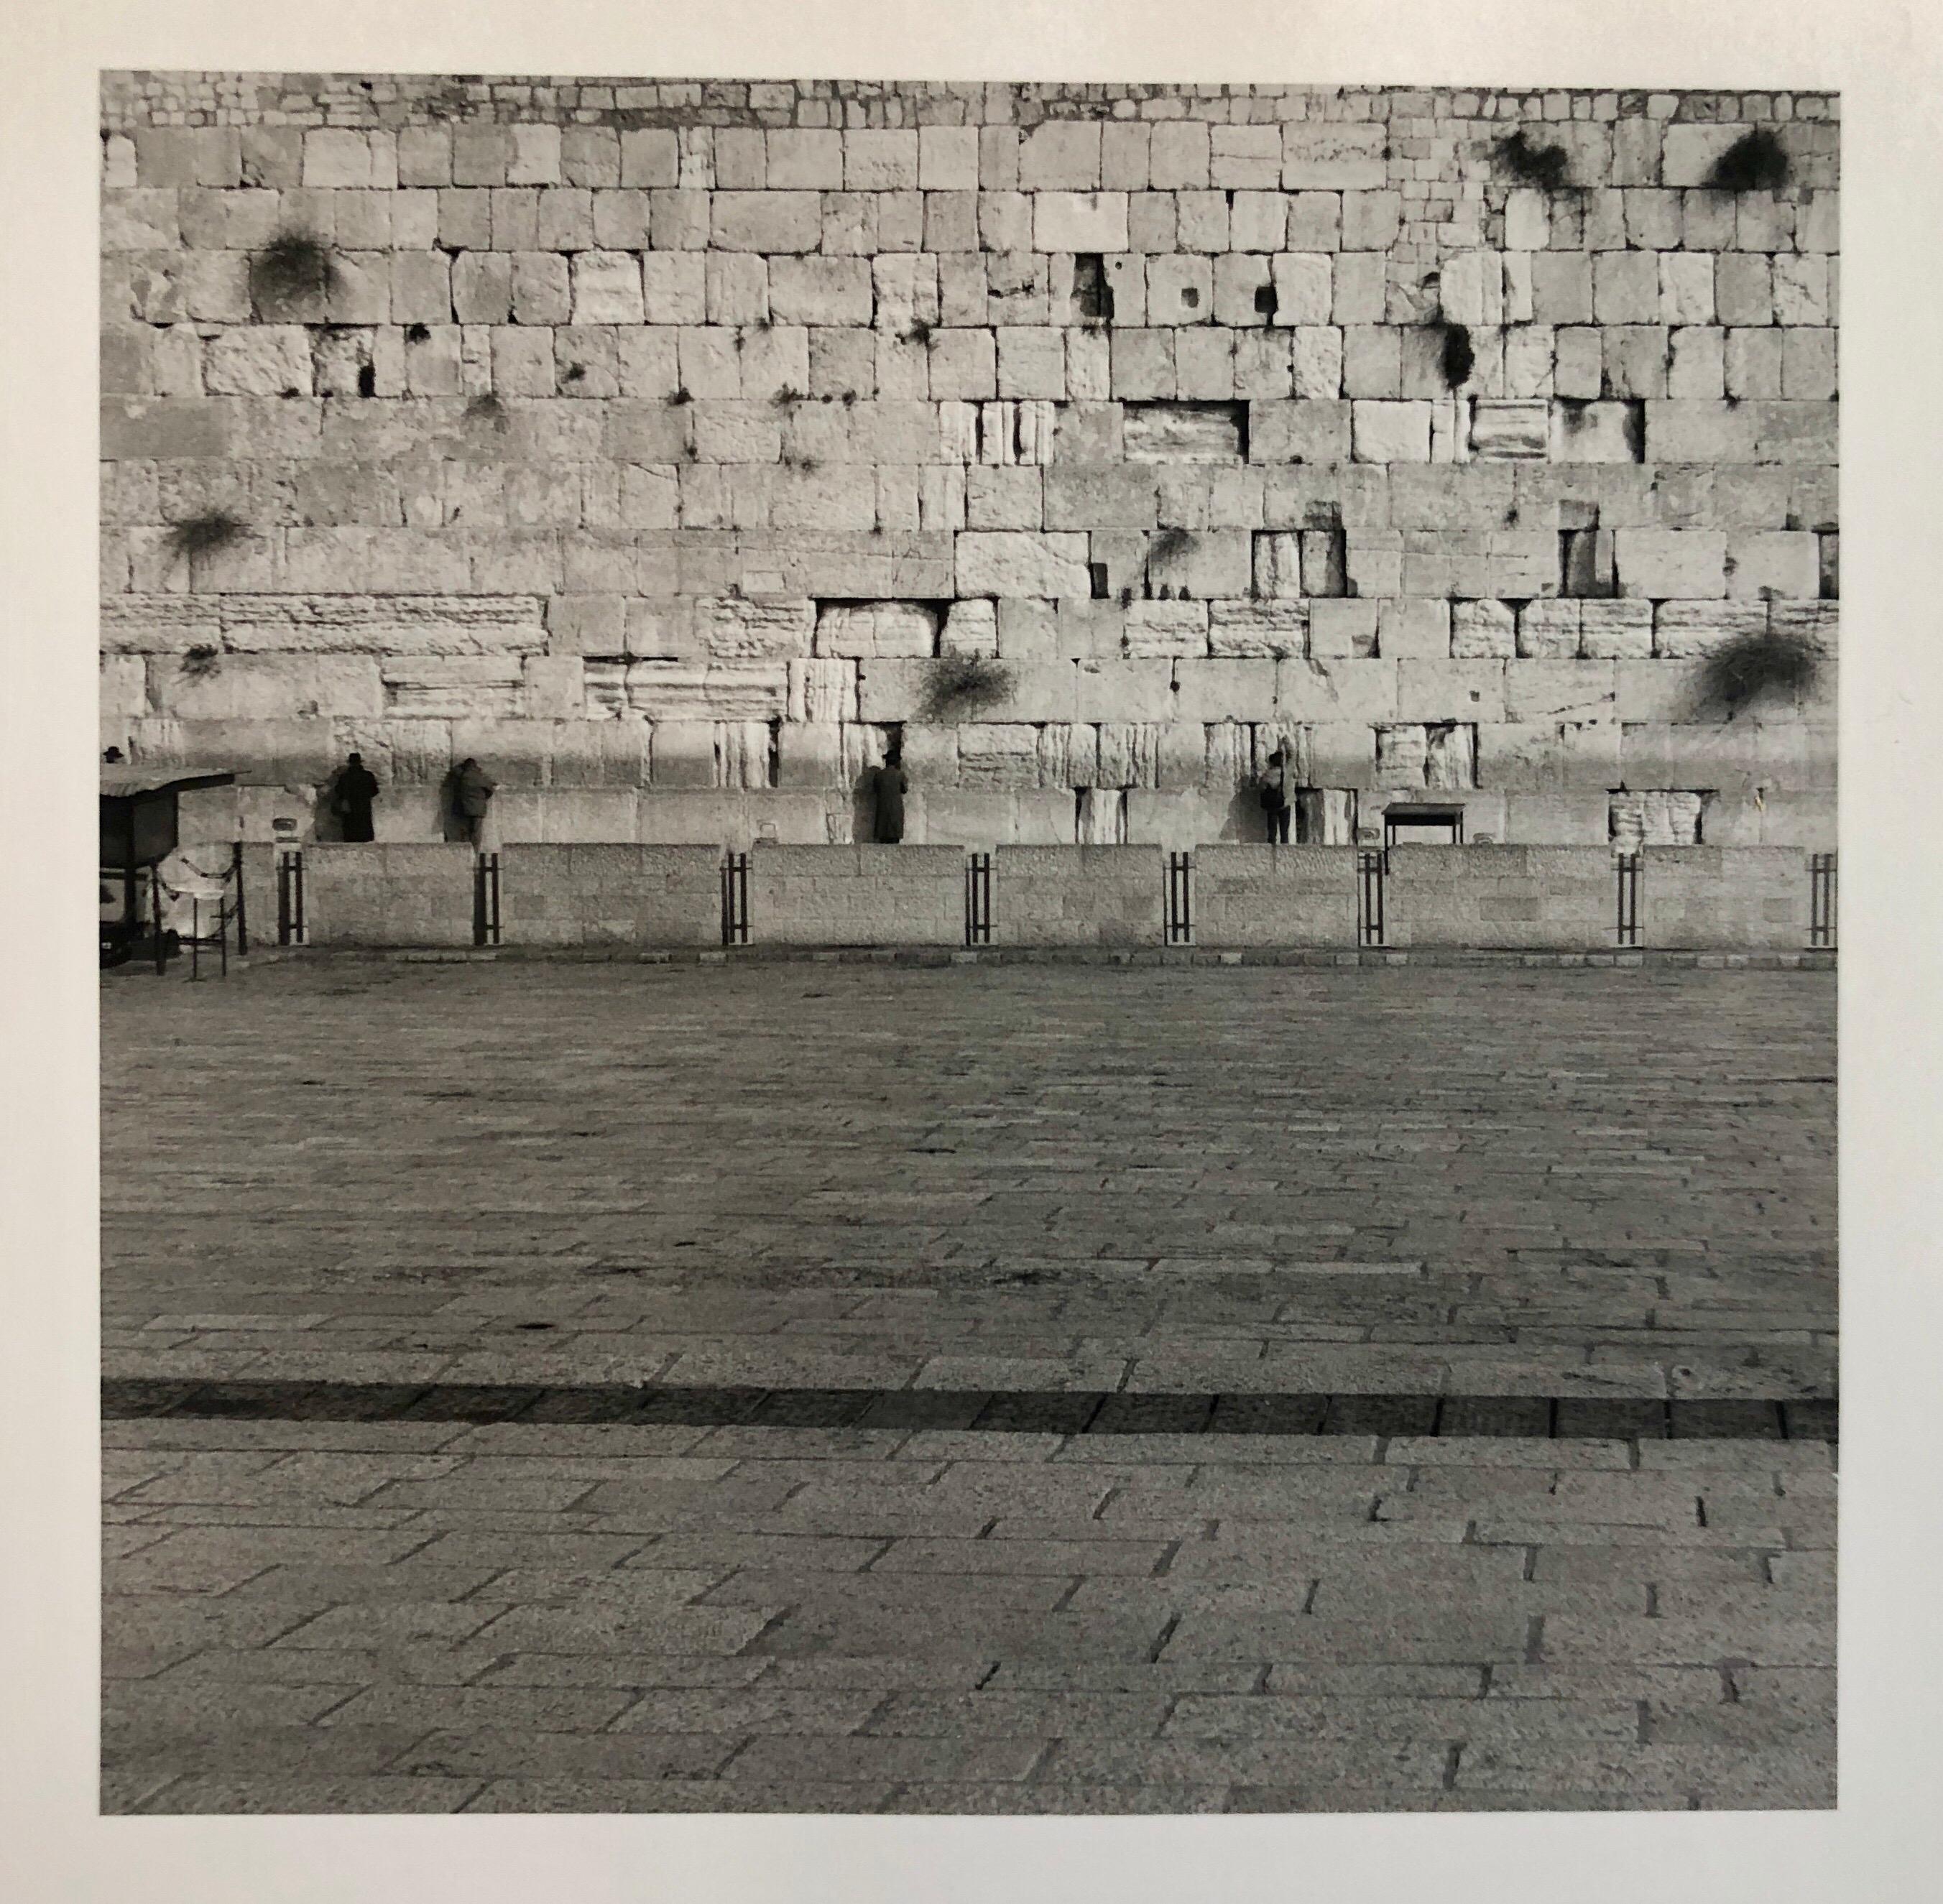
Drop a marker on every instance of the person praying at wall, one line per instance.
(471, 794)
(887, 799)
(1274, 792)
(350, 796)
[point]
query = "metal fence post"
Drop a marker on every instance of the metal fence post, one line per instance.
(1372, 868)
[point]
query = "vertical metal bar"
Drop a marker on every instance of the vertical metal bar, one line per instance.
(282, 870)
(155, 896)
(242, 912)
(478, 898)
(297, 881)
(495, 899)
(194, 937)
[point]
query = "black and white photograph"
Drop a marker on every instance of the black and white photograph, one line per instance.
(1012, 974)
(968, 948)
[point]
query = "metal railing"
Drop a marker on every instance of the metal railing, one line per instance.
(486, 900)
(978, 900)
(1626, 929)
(1822, 901)
(1372, 872)
(1180, 899)
(290, 897)
(735, 899)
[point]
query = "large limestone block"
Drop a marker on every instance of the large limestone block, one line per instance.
(259, 360)
(868, 629)
(1515, 429)
(1173, 629)
(1334, 158)
(1450, 690)
(1134, 691)
(1597, 432)
(159, 624)
(1547, 629)
(1615, 631)
(1685, 564)
(1079, 222)
(1691, 630)
(1561, 691)
(1386, 431)
(682, 691)
(992, 754)
(823, 691)
(394, 624)
(971, 627)
(1092, 496)
(1226, 690)
(1337, 690)
(1483, 630)
(769, 222)
(253, 686)
(1526, 756)
(731, 628)
(1250, 630)
(1416, 628)
(1006, 563)
(1763, 563)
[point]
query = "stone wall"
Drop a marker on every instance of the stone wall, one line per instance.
(1707, 899)
(612, 895)
(857, 895)
(1561, 898)
(671, 447)
(1248, 895)
(1077, 895)
(379, 895)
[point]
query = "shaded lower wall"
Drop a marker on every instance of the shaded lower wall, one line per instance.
(1751, 898)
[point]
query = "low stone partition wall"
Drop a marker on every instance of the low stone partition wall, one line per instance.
(857, 895)
(621, 894)
(1274, 896)
(1078, 896)
(379, 895)
(1725, 898)
(1502, 898)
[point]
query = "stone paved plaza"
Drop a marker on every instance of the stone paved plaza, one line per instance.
(1516, 1197)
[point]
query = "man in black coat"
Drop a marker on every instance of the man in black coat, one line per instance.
(351, 798)
(887, 799)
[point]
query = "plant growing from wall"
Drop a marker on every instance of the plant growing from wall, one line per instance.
(919, 331)
(204, 533)
(1757, 161)
(1545, 168)
(488, 409)
(1767, 662)
(201, 662)
(295, 264)
(965, 685)
(1172, 544)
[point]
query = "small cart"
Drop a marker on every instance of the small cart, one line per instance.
(140, 819)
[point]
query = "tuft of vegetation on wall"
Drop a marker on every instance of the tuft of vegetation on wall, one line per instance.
(203, 534)
(1757, 161)
(1772, 664)
(965, 685)
(1545, 168)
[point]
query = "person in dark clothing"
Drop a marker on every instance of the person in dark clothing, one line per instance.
(1275, 796)
(471, 794)
(351, 798)
(887, 799)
